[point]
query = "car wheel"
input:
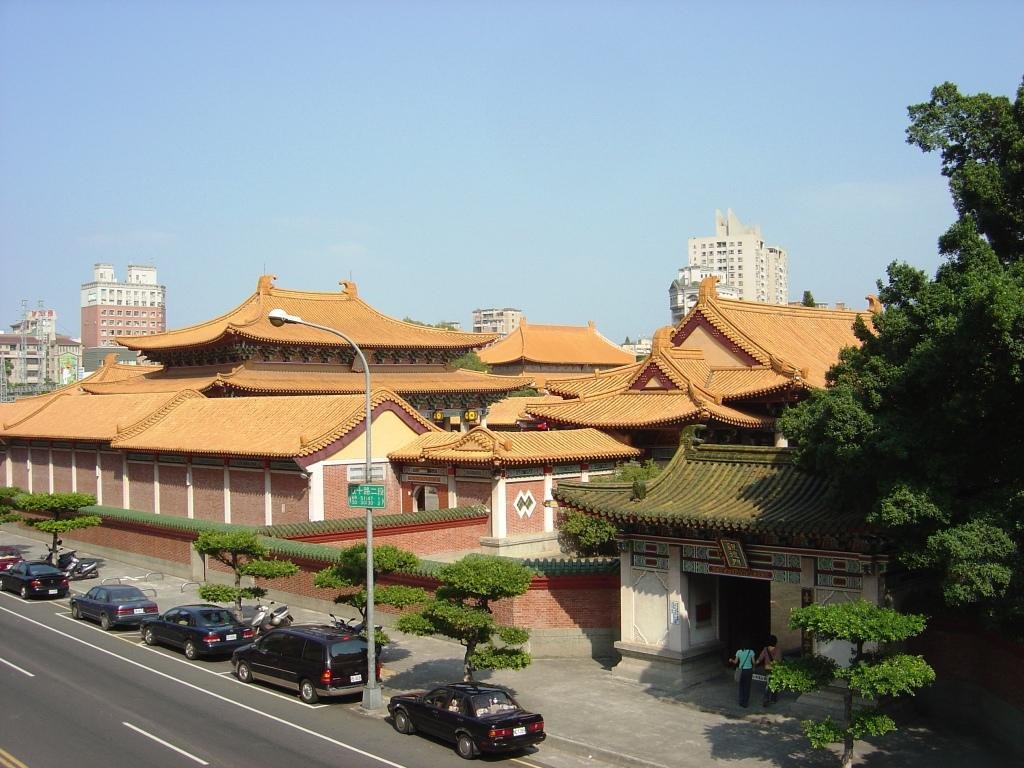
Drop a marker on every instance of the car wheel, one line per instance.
(76, 612)
(191, 651)
(308, 693)
(148, 637)
(402, 722)
(24, 593)
(243, 672)
(105, 621)
(465, 747)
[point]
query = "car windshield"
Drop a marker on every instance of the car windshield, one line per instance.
(211, 617)
(126, 593)
(492, 702)
(41, 569)
(340, 648)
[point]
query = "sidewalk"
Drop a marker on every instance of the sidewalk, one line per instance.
(594, 719)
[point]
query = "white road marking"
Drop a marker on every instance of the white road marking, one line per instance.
(15, 666)
(211, 694)
(167, 744)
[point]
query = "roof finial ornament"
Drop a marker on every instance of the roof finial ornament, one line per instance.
(349, 287)
(874, 305)
(707, 290)
(688, 438)
(264, 284)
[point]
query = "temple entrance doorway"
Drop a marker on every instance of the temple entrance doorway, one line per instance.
(425, 498)
(745, 611)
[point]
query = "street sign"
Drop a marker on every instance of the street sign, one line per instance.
(366, 496)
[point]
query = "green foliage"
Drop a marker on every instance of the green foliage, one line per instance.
(808, 300)
(525, 392)
(585, 536)
(63, 509)
(883, 672)
(631, 471)
(244, 553)
(920, 427)
(9, 517)
(461, 610)
(470, 361)
(8, 494)
(348, 576)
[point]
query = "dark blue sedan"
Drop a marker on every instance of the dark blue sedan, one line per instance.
(199, 630)
(34, 579)
(114, 606)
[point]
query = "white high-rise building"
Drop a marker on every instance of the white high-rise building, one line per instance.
(740, 258)
(494, 320)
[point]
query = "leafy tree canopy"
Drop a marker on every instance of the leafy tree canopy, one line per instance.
(920, 427)
(470, 361)
(808, 299)
(245, 555)
(63, 509)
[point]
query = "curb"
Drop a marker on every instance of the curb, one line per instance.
(604, 755)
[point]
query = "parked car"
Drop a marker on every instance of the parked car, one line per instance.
(31, 578)
(9, 556)
(199, 630)
(476, 718)
(314, 659)
(114, 606)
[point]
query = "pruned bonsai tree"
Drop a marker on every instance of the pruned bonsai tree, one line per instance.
(64, 510)
(245, 555)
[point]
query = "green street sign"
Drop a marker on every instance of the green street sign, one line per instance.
(366, 496)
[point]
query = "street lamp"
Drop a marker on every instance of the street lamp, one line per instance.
(372, 698)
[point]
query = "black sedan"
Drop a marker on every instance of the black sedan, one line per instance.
(114, 606)
(476, 718)
(34, 579)
(199, 630)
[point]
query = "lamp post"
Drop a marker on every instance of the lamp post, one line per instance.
(372, 698)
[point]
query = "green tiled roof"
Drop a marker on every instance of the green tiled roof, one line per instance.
(722, 487)
(321, 527)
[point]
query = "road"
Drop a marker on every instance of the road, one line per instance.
(76, 695)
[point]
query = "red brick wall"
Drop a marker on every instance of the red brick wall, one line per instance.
(535, 522)
(85, 472)
(173, 492)
(110, 476)
(141, 493)
(587, 602)
(138, 540)
(247, 506)
(289, 497)
(19, 459)
(208, 493)
(61, 470)
(467, 494)
(40, 470)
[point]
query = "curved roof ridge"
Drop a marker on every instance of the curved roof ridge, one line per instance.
(152, 418)
(48, 400)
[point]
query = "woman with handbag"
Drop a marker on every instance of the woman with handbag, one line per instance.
(744, 662)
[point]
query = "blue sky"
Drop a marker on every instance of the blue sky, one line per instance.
(551, 156)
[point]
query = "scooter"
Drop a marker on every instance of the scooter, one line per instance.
(353, 626)
(75, 567)
(267, 618)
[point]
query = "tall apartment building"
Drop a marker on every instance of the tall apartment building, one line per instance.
(502, 321)
(682, 294)
(111, 308)
(34, 354)
(740, 258)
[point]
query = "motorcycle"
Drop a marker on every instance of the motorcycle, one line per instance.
(75, 567)
(267, 617)
(353, 626)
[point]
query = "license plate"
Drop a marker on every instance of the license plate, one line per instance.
(355, 678)
(51, 591)
(520, 731)
(139, 610)
(230, 637)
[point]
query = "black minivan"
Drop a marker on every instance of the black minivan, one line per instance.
(314, 659)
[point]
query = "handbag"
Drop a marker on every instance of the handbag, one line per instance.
(736, 674)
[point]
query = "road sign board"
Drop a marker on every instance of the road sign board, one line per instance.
(366, 496)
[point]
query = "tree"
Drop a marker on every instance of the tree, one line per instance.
(245, 555)
(470, 361)
(920, 427)
(873, 674)
(461, 610)
(808, 300)
(349, 575)
(64, 511)
(8, 494)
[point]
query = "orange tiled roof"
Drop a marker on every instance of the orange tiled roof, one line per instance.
(639, 409)
(159, 379)
(344, 311)
(508, 412)
(87, 417)
(482, 446)
(283, 427)
(794, 340)
(554, 344)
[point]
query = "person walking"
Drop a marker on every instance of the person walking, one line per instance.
(744, 663)
(766, 659)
